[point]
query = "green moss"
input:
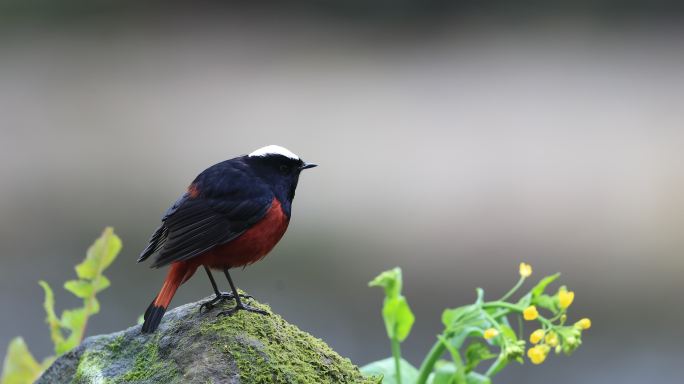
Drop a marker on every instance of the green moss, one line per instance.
(266, 349)
(148, 365)
(94, 365)
(115, 346)
(89, 368)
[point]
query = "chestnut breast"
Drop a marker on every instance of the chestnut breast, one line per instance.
(252, 245)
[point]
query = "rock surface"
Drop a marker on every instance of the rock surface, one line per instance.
(190, 347)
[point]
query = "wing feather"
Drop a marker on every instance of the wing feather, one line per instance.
(229, 201)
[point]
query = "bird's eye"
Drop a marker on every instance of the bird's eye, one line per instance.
(284, 168)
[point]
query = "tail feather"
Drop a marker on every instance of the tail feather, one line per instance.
(155, 311)
(153, 317)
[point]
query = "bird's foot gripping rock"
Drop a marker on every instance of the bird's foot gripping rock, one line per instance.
(223, 296)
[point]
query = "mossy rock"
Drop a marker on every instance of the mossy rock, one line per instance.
(194, 347)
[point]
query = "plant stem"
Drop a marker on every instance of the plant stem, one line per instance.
(428, 364)
(503, 304)
(512, 291)
(88, 302)
(396, 353)
(456, 357)
(515, 308)
(496, 367)
(489, 318)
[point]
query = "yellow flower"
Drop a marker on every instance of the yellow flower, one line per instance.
(583, 324)
(490, 333)
(538, 353)
(530, 313)
(551, 339)
(565, 297)
(536, 336)
(525, 270)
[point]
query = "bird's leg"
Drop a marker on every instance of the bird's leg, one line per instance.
(238, 302)
(220, 296)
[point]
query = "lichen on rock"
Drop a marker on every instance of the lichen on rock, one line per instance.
(194, 347)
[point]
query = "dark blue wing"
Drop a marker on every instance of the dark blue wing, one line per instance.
(159, 236)
(229, 202)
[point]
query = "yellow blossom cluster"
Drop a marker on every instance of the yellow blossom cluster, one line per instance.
(554, 335)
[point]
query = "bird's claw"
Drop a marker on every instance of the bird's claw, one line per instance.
(244, 307)
(224, 296)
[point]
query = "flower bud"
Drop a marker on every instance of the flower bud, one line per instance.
(530, 313)
(551, 339)
(538, 353)
(536, 336)
(565, 297)
(525, 270)
(583, 324)
(490, 333)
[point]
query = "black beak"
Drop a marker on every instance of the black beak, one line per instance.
(307, 166)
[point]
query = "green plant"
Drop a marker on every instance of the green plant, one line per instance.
(399, 320)
(68, 330)
(477, 333)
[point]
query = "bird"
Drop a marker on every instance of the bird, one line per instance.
(231, 215)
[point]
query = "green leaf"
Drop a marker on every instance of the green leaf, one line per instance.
(396, 312)
(476, 378)
(468, 314)
(543, 283)
(385, 367)
(51, 318)
(93, 306)
(480, 297)
(398, 318)
(508, 333)
(74, 319)
(476, 353)
(101, 284)
(80, 288)
(546, 301)
(100, 255)
(444, 373)
(20, 367)
(452, 316)
(86, 289)
(461, 334)
(70, 343)
(390, 280)
(457, 317)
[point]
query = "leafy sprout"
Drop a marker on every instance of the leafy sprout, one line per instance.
(67, 330)
(399, 320)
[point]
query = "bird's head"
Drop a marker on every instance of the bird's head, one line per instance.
(278, 167)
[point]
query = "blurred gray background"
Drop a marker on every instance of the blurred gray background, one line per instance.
(453, 141)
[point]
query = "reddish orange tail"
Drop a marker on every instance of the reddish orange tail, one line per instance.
(177, 275)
